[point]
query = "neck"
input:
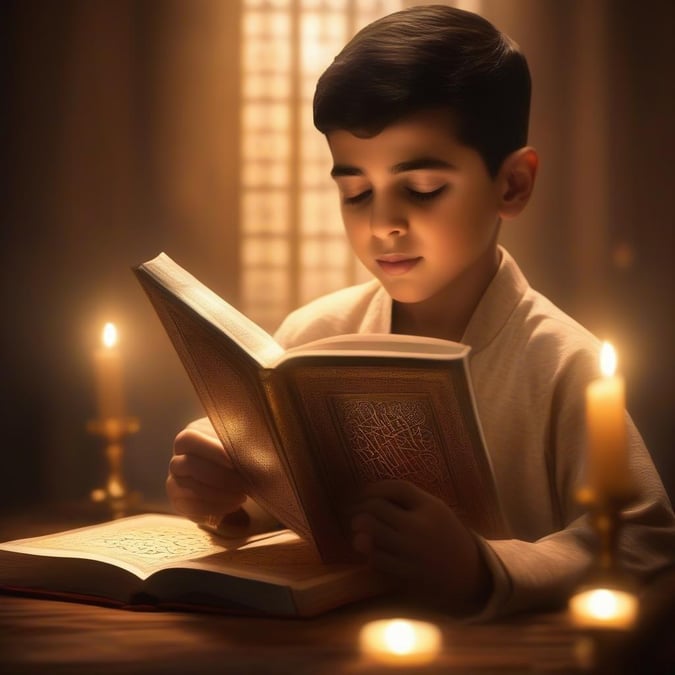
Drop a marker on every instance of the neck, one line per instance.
(447, 314)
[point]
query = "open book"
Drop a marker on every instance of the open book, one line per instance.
(157, 560)
(307, 427)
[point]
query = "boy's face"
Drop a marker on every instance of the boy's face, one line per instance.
(420, 209)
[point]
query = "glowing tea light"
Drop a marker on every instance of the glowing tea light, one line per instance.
(604, 608)
(608, 469)
(400, 641)
(108, 370)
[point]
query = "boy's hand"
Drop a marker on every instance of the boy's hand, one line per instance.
(202, 484)
(418, 541)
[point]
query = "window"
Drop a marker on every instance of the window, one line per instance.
(293, 248)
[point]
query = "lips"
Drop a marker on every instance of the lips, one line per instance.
(397, 264)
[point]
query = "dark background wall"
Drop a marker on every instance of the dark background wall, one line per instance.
(120, 139)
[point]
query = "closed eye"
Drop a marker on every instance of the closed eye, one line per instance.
(356, 199)
(426, 196)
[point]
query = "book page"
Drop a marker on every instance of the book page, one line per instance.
(139, 544)
(231, 386)
(246, 333)
(380, 345)
(283, 559)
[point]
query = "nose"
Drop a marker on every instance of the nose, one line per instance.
(388, 218)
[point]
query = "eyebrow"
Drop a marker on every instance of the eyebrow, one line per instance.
(418, 164)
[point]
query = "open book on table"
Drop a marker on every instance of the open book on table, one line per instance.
(308, 426)
(157, 560)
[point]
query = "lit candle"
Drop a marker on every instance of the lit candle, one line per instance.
(400, 642)
(608, 470)
(108, 367)
(604, 608)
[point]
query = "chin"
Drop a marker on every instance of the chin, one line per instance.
(407, 293)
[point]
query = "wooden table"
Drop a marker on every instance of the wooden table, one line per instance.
(47, 636)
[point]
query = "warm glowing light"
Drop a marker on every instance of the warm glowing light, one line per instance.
(602, 603)
(399, 637)
(608, 467)
(604, 607)
(109, 336)
(400, 641)
(607, 359)
(108, 370)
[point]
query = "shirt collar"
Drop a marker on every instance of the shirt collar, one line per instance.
(494, 308)
(497, 303)
(377, 317)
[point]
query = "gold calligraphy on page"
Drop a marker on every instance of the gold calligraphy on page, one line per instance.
(145, 545)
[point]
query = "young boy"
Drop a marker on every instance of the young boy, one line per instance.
(426, 114)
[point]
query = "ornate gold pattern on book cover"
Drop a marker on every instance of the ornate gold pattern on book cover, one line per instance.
(413, 421)
(394, 438)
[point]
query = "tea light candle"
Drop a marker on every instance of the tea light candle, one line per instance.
(400, 642)
(608, 470)
(604, 608)
(108, 371)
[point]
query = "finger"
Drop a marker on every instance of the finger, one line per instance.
(205, 472)
(399, 492)
(392, 565)
(387, 512)
(198, 511)
(371, 534)
(362, 543)
(188, 488)
(186, 492)
(187, 483)
(204, 426)
(195, 443)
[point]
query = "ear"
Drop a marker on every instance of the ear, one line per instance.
(516, 181)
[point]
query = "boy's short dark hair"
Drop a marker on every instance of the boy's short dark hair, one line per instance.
(430, 57)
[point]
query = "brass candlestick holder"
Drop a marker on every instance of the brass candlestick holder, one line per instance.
(605, 605)
(607, 599)
(606, 521)
(115, 494)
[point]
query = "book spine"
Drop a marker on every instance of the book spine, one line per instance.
(226, 380)
(324, 521)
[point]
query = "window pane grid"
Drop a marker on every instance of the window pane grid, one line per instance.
(290, 205)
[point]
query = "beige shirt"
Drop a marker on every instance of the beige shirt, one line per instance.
(530, 364)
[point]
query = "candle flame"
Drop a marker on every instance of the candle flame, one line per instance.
(109, 336)
(607, 359)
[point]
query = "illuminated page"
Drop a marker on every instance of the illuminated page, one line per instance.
(141, 544)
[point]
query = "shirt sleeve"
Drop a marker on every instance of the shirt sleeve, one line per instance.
(543, 573)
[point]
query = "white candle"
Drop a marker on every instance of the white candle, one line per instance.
(108, 370)
(400, 642)
(608, 469)
(604, 608)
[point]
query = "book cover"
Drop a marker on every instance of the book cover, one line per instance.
(307, 427)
